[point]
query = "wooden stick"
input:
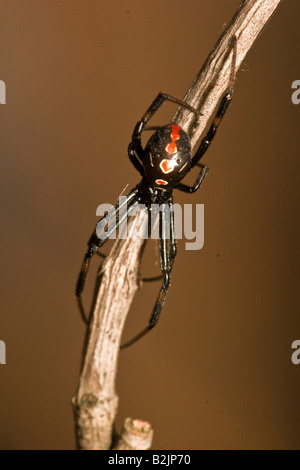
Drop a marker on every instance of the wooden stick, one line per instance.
(96, 402)
(212, 80)
(95, 405)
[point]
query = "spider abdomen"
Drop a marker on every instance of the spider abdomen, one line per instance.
(167, 157)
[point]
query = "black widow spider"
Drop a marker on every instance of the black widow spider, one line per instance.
(163, 163)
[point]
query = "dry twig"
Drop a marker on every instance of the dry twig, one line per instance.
(95, 405)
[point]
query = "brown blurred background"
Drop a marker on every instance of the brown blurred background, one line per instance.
(217, 372)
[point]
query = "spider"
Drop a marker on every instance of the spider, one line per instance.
(162, 164)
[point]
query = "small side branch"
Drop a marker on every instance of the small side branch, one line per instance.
(136, 434)
(95, 404)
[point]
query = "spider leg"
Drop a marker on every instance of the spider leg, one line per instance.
(198, 182)
(100, 236)
(133, 158)
(135, 149)
(168, 250)
(205, 143)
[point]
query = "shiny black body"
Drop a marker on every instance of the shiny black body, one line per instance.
(155, 154)
(163, 163)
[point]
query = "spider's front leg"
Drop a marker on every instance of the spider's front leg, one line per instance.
(168, 250)
(100, 235)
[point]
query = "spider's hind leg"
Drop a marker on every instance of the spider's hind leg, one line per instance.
(223, 106)
(197, 184)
